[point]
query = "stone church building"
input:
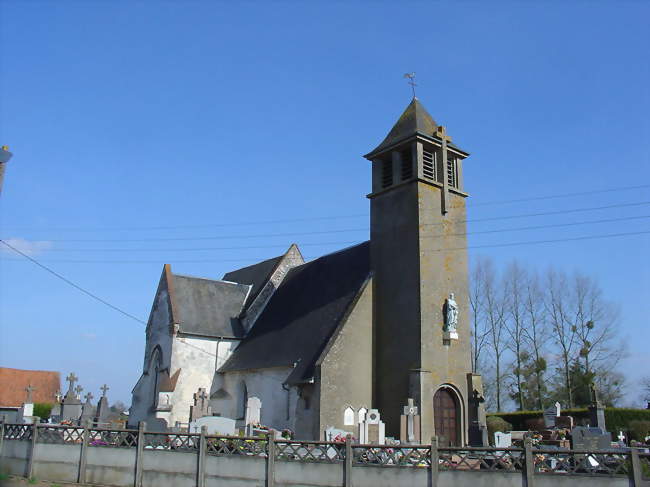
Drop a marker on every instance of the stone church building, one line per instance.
(321, 342)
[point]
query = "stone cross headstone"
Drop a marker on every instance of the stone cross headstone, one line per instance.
(558, 408)
(78, 390)
(87, 410)
(373, 429)
(502, 440)
(596, 410)
(410, 423)
(101, 415)
(71, 405)
(72, 379)
(201, 405)
(29, 389)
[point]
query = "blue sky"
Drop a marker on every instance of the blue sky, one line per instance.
(201, 116)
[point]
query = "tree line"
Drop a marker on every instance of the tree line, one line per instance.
(538, 338)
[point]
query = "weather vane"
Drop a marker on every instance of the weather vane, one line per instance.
(411, 78)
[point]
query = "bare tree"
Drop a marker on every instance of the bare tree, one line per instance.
(477, 305)
(645, 387)
(515, 321)
(537, 334)
(495, 310)
(557, 305)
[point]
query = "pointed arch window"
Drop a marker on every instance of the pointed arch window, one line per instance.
(348, 416)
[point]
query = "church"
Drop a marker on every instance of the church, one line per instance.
(322, 342)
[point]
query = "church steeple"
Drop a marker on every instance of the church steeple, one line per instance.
(418, 149)
(417, 237)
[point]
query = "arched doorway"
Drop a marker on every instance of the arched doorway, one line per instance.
(446, 416)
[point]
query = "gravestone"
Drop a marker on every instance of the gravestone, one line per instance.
(87, 411)
(26, 412)
(216, 425)
(253, 414)
(564, 422)
(201, 405)
(372, 431)
(583, 438)
(596, 410)
(101, 416)
(71, 405)
(410, 424)
(549, 417)
(502, 440)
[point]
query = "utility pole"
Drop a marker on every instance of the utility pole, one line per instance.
(5, 155)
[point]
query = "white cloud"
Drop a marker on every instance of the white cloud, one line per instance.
(28, 247)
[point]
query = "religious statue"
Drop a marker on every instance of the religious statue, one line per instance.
(451, 314)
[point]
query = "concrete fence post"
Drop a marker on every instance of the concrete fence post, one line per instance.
(32, 453)
(200, 477)
(435, 461)
(139, 455)
(270, 458)
(347, 473)
(529, 461)
(636, 467)
(2, 438)
(81, 475)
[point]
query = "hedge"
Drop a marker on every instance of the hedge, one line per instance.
(616, 419)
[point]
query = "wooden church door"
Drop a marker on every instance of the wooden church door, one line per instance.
(446, 416)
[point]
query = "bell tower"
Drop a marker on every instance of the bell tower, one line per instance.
(421, 332)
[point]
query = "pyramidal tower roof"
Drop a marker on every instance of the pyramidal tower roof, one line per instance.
(415, 120)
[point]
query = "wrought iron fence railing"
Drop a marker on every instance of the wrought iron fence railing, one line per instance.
(601, 463)
(484, 459)
(310, 451)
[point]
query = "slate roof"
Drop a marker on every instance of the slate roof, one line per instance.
(255, 275)
(14, 381)
(303, 313)
(208, 307)
(415, 120)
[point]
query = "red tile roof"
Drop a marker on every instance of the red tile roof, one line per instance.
(14, 381)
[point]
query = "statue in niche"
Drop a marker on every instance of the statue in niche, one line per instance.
(451, 314)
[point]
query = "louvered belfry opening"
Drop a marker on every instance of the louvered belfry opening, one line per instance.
(386, 173)
(407, 164)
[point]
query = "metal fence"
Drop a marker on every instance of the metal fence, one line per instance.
(610, 463)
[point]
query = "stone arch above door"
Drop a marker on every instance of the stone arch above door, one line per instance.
(448, 416)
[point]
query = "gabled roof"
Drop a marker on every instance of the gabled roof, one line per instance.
(415, 120)
(13, 383)
(208, 307)
(303, 313)
(255, 275)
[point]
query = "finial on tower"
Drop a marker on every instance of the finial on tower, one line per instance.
(411, 81)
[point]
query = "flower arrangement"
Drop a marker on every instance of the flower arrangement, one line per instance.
(287, 434)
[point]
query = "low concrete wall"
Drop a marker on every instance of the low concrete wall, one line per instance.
(117, 467)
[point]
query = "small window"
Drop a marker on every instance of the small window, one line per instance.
(386, 173)
(452, 173)
(429, 165)
(362, 415)
(348, 416)
(407, 165)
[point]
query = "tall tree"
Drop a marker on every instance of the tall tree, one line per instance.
(537, 335)
(477, 305)
(557, 305)
(495, 310)
(515, 320)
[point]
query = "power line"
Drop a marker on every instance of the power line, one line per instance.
(206, 261)
(336, 217)
(326, 232)
(88, 293)
(69, 282)
(348, 242)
